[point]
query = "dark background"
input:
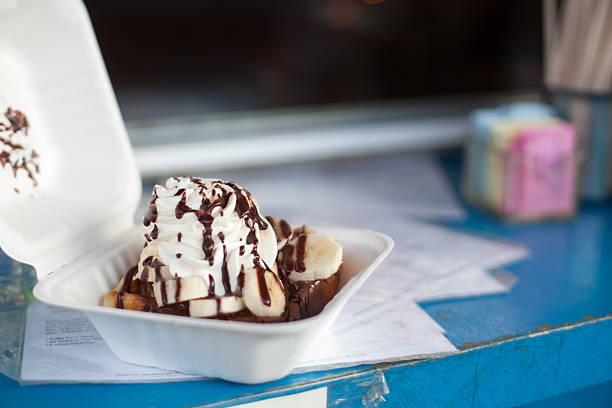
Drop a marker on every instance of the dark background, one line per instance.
(167, 58)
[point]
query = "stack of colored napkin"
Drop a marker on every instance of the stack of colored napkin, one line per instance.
(521, 162)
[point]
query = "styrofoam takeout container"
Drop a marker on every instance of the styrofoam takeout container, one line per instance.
(77, 227)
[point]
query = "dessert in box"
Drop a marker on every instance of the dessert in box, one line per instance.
(209, 253)
(82, 240)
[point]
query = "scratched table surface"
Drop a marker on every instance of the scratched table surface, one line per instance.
(550, 335)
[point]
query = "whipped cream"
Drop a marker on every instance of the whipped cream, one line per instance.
(18, 159)
(208, 228)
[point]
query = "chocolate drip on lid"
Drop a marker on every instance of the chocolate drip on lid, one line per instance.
(155, 232)
(17, 122)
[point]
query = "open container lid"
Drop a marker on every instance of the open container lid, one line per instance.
(89, 187)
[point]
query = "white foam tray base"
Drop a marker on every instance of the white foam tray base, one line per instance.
(235, 351)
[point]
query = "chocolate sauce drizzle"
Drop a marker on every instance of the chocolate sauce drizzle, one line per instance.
(144, 276)
(211, 286)
(177, 294)
(17, 122)
(264, 294)
(285, 229)
(245, 209)
(204, 216)
(263, 286)
(289, 264)
(154, 263)
(127, 280)
(151, 213)
(218, 305)
(164, 294)
(240, 281)
(304, 299)
(281, 228)
(155, 232)
(224, 272)
(300, 253)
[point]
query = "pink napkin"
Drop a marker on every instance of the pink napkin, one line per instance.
(540, 172)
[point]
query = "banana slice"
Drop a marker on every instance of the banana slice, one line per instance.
(172, 291)
(214, 306)
(310, 255)
(282, 229)
(150, 267)
(263, 293)
(150, 250)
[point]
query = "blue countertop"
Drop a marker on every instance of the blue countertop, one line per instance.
(550, 335)
(567, 278)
